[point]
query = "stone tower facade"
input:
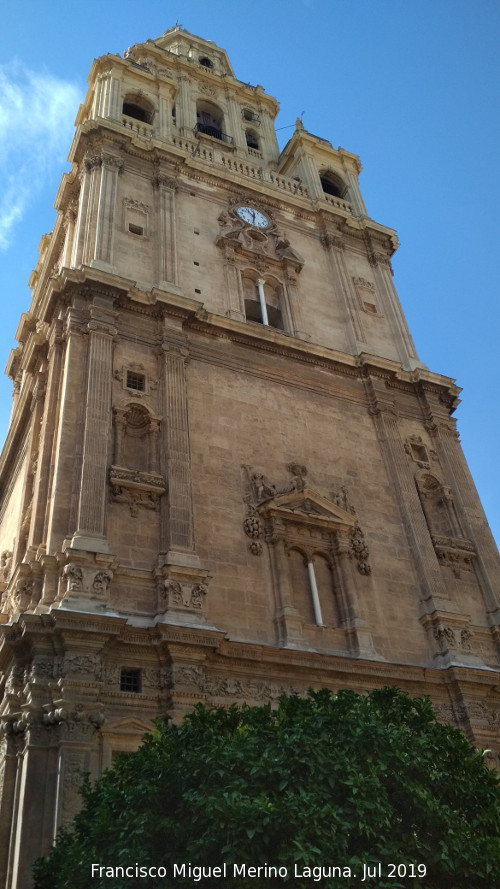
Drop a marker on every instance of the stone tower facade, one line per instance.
(227, 473)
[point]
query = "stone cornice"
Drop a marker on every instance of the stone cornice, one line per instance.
(271, 340)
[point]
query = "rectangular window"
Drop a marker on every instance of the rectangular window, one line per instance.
(130, 681)
(136, 381)
(135, 229)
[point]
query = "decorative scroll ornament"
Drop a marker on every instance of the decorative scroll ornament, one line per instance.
(88, 581)
(184, 597)
(449, 638)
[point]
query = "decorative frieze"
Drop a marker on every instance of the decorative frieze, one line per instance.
(136, 489)
(196, 678)
(455, 553)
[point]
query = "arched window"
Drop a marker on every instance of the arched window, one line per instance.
(313, 590)
(300, 583)
(325, 585)
(332, 184)
(206, 62)
(262, 298)
(252, 140)
(138, 108)
(210, 120)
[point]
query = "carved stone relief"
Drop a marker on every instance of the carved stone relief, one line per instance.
(253, 528)
(5, 565)
(449, 637)
(244, 238)
(418, 451)
(359, 550)
(453, 550)
(367, 296)
(216, 686)
(185, 596)
(80, 579)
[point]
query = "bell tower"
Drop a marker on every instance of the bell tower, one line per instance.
(227, 473)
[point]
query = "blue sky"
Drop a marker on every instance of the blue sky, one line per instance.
(412, 86)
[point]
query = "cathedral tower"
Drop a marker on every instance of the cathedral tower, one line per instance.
(227, 473)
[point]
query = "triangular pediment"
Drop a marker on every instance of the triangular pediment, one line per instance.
(127, 725)
(310, 507)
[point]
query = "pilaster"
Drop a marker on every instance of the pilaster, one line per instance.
(342, 285)
(90, 179)
(66, 449)
(177, 536)
(288, 620)
(392, 307)
(358, 630)
(385, 417)
(298, 325)
(111, 166)
(91, 532)
(235, 299)
(185, 109)
(165, 246)
(47, 436)
(447, 443)
(34, 799)
(8, 773)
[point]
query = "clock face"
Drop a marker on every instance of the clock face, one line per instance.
(253, 217)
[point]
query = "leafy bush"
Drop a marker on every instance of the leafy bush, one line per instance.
(328, 780)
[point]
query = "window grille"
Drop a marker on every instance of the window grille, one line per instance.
(130, 681)
(136, 381)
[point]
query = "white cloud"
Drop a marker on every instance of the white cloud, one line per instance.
(37, 112)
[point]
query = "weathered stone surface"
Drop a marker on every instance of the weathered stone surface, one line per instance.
(197, 505)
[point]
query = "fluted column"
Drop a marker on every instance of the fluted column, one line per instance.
(392, 308)
(153, 435)
(165, 246)
(34, 800)
(89, 189)
(297, 325)
(66, 449)
(185, 109)
(288, 619)
(349, 580)
(119, 430)
(164, 126)
(70, 218)
(234, 125)
(108, 102)
(343, 288)
(269, 146)
(47, 436)
(234, 290)
(177, 517)
(9, 761)
(90, 534)
(110, 168)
